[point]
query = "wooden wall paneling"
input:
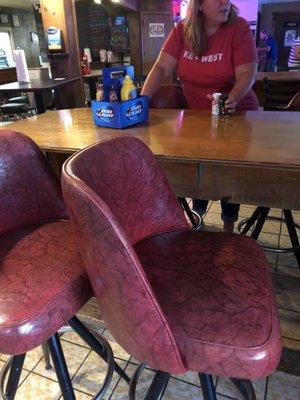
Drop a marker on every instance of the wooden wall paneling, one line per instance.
(21, 33)
(150, 12)
(156, 5)
(151, 45)
(41, 33)
(135, 43)
(61, 14)
(130, 4)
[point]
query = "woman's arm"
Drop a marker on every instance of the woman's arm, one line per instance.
(245, 78)
(164, 66)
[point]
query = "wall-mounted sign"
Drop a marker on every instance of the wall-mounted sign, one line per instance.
(156, 29)
(289, 37)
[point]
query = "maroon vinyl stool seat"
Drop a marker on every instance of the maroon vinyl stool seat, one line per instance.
(173, 298)
(42, 281)
(172, 96)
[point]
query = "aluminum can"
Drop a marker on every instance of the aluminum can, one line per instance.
(215, 109)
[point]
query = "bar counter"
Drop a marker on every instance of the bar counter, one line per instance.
(249, 158)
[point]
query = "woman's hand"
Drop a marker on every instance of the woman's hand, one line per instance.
(230, 103)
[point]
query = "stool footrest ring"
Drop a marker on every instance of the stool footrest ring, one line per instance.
(271, 249)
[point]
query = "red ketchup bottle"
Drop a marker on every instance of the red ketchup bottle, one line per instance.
(85, 65)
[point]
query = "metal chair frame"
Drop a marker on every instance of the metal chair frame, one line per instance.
(13, 366)
(161, 379)
(257, 220)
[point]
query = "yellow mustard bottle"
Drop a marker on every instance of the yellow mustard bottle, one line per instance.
(128, 90)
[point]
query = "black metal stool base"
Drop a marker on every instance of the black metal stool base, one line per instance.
(207, 386)
(257, 221)
(160, 381)
(245, 387)
(13, 366)
(157, 387)
(195, 218)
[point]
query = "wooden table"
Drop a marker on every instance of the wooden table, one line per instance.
(249, 158)
(37, 86)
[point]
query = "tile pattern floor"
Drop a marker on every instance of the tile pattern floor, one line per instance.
(87, 370)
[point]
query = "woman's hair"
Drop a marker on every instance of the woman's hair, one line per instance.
(193, 26)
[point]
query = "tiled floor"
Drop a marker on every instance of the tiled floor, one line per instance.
(87, 370)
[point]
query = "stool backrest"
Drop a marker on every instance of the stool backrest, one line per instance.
(117, 195)
(29, 190)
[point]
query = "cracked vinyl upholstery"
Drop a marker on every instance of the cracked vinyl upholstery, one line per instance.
(175, 299)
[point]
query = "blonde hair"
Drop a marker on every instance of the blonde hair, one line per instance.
(193, 26)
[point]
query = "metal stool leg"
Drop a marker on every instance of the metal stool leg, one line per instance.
(245, 387)
(46, 353)
(186, 208)
(289, 220)
(207, 386)
(14, 366)
(134, 381)
(61, 368)
(90, 339)
(249, 222)
(191, 213)
(260, 222)
(157, 387)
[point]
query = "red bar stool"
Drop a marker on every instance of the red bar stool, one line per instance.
(42, 281)
(175, 299)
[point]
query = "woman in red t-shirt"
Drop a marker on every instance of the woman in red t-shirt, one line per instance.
(212, 50)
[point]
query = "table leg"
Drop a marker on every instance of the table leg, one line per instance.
(39, 102)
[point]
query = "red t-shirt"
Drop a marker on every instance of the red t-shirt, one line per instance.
(229, 47)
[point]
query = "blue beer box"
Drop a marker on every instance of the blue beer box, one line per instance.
(119, 114)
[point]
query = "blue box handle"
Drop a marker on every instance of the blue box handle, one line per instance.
(109, 80)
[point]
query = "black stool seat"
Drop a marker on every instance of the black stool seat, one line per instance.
(18, 99)
(14, 108)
